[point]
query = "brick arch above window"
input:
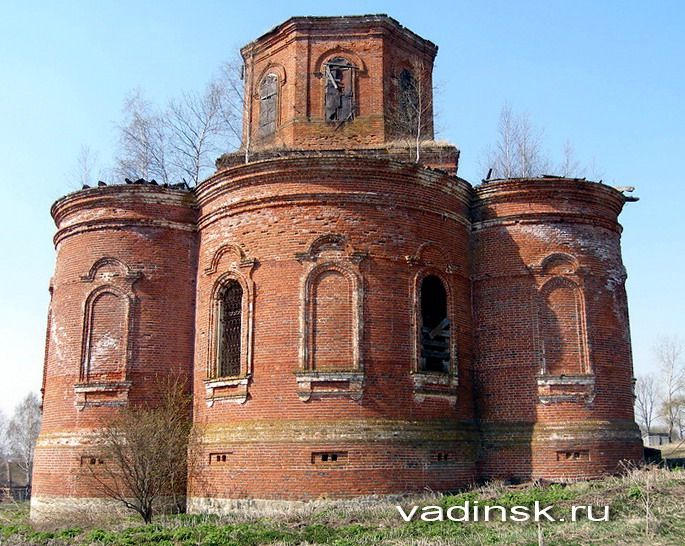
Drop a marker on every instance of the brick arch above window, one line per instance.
(561, 317)
(331, 320)
(107, 335)
(106, 351)
(332, 323)
(566, 372)
(345, 53)
(228, 376)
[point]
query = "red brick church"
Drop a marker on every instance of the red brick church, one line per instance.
(353, 321)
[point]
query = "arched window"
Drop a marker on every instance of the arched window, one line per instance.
(339, 89)
(268, 105)
(561, 328)
(106, 337)
(332, 322)
(230, 331)
(435, 354)
(408, 102)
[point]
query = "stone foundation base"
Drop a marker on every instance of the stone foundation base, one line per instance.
(277, 507)
(51, 512)
(54, 512)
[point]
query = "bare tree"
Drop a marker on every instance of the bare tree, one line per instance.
(181, 140)
(142, 452)
(143, 141)
(669, 354)
(410, 115)
(232, 104)
(646, 398)
(595, 171)
(195, 128)
(518, 149)
(4, 441)
(86, 164)
(22, 433)
(570, 166)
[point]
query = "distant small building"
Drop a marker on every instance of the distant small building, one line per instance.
(653, 439)
(14, 483)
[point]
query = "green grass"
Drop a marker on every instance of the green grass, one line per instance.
(364, 522)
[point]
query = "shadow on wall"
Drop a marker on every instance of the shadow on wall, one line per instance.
(528, 326)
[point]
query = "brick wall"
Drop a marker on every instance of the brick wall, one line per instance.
(551, 360)
(122, 312)
(330, 232)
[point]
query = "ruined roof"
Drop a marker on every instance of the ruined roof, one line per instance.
(343, 22)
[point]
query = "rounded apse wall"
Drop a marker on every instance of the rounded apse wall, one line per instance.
(120, 320)
(315, 384)
(554, 369)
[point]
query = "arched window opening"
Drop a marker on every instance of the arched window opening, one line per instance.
(230, 320)
(339, 74)
(435, 327)
(408, 102)
(268, 105)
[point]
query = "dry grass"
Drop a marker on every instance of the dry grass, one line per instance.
(646, 507)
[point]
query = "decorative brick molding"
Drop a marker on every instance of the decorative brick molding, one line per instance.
(553, 389)
(313, 384)
(319, 376)
(227, 390)
(236, 267)
(562, 322)
(105, 393)
(108, 334)
(431, 259)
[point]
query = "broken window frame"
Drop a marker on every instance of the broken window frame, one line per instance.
(268, 103)
(437, 334)
(340, 102)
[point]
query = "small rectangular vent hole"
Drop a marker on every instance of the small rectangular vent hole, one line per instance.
(221, 457)
(329, 457)
(87, 460)
(574, 455)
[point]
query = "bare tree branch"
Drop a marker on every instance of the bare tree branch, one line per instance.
(195, 125)
(143, 140)
(669, 356)
(231, 99)
(22, 433)
(410, 114)
(140, 457)
(517, 151)
(570, 166)
(646, 397)
(182, 140)
(86, 164)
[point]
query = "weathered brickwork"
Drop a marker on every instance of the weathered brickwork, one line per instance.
(351, 322)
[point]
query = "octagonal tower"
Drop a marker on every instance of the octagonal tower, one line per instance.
(333, 344)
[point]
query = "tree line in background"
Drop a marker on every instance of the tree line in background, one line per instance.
(660, 396)
(18, 435)
(180, 141)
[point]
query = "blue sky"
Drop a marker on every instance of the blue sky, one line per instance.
(608, 76)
